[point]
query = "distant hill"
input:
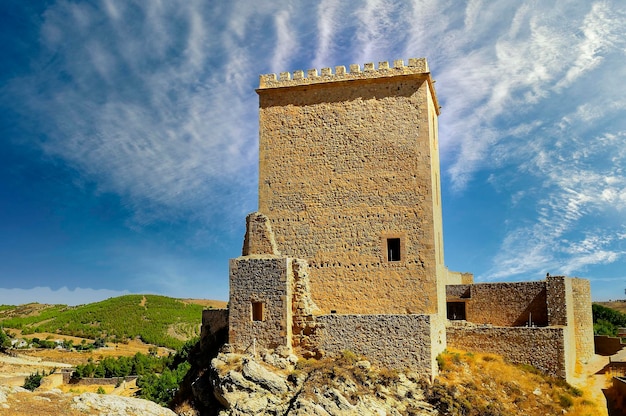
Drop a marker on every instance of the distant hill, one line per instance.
(157, 320)
(618, 305)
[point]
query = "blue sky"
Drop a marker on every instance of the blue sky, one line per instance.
(128, 150)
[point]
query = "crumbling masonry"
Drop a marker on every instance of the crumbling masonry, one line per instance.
(346, 251)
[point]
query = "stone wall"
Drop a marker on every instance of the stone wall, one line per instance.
(393, 341)
(503, 304)
(214, 320)
(459, 278)
(265, 283)
(544, 348)
(556, 299)
(583, 319)
(348, 161)
(214, 329)
(606, 345)
(102, 381)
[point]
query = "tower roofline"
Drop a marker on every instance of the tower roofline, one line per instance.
(415, 67)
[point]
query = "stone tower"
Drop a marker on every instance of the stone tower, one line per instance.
(349, 178)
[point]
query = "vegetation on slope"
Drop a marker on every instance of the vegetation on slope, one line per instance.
(159, 377)
(157, 320)
(606, 321)
(484, 384)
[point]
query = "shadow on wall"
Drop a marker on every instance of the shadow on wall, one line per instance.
(535, 314)
(606, 345)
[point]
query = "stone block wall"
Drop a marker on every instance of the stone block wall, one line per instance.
(459, 278)
(544, 348)
(393, 341)
(503, 304)
(556, 299)
(347, 161)
(583, 319)
(214, 320)
(606, 345)
(265, 283)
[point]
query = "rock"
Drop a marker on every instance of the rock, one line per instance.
(117, 405)
(246, 387)
(257, 374)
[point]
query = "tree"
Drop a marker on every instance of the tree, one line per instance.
(5, 341)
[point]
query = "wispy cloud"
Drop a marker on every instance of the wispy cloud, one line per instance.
(286, 43)
(133, 99)
(155, 102)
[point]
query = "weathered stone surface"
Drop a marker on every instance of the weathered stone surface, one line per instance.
(259, 237)
(256, 373)
(544, 348)
(305, 395)
(117, 405)
(344, 164)
(394, 341)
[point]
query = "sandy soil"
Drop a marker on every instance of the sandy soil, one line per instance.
(591, 378)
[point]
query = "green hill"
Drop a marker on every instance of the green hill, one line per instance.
(157, 320)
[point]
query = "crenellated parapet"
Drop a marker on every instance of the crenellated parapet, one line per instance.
(288, 79)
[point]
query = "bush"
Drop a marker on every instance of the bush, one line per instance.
(441, 362)
(565, 401)
(33, 381)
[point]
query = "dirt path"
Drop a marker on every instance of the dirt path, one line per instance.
(590, 379)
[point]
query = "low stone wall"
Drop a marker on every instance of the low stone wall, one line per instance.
(101, 381)
(543, 348)
(393, 341)
(606, 345)
(214, 320)
(503, 304)
(619, 393)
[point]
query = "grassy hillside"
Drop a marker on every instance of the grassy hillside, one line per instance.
(618, 305)
(157, 320)
(607, 320)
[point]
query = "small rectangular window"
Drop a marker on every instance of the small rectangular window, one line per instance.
(257, 311)
(456, 311)
(393, 249)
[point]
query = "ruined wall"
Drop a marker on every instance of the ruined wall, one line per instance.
(459, 278)
(583, 319)
(347, 160)
(503, 304)
(266, 280)
(393, 341)
(544, 348)
(606, 345)
(214, 320)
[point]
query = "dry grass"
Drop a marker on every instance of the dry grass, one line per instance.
(207, 303)
(484, 384)
(75, 357)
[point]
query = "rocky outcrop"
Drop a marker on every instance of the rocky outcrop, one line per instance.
(19, 401)
(275, 384)
(92, 403)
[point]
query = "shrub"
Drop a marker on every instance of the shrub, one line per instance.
(33, 381)
(565, 401)
(441, 362)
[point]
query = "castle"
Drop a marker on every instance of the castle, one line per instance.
(346, 250)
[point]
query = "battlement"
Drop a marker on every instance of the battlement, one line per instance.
(287, 79)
